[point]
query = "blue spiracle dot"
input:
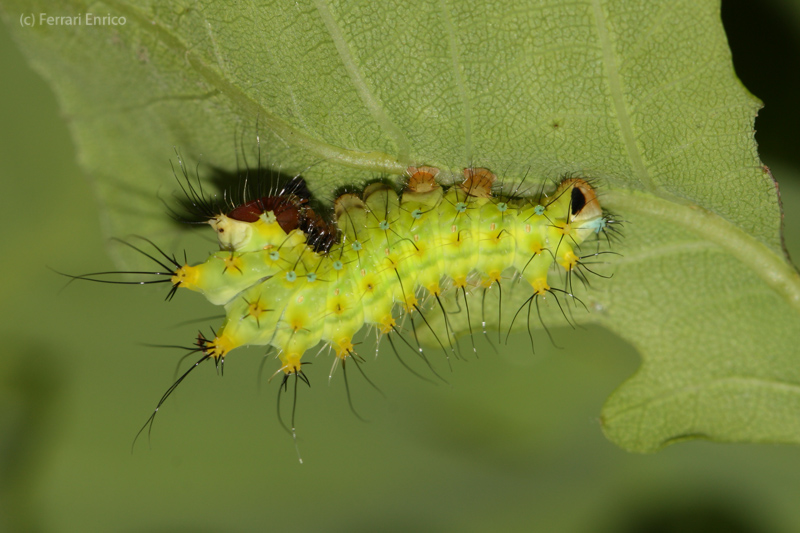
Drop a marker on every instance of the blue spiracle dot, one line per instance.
(274, 256)
(311, 277)
(384, 225)
(356, 246)
(337, 265)
(461, 207)
(502, 207)
(598, 225)
(416, 214)
(291, 276)
(539, 210)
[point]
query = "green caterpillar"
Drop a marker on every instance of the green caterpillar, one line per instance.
(392, 251)
(289, 280)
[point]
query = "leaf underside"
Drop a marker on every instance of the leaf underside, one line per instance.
(642, 96)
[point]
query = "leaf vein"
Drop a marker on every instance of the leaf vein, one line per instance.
(370, 100)
(281, 128)
(615, 86)
(695, 388)
(455, 57)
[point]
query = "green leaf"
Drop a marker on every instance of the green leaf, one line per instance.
(641, 96)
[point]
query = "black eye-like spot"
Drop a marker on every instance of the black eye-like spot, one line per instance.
(578, 201)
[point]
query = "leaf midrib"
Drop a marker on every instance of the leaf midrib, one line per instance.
(775, 270)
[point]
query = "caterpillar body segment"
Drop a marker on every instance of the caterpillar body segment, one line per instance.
(280, 290)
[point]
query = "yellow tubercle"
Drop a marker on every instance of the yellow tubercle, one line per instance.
(411, 303)
(540, 286)
(297, 324)
(454, 239)
(387, 324)
(256, 309)
(233, 264)
(566, 229)
(434, 289)
(291, 363)
(569, 260)
(337, 305)
(368, 284)
(343, 347)
(492, 277)
(220, 346)
(186, 276)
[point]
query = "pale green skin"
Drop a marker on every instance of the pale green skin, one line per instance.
(277, 291)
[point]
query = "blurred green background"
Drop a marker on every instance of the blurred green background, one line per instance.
(513, 442)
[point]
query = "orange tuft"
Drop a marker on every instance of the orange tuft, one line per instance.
(478, 182)
(422, 179)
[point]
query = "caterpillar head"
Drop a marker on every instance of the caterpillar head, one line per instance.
(584, 212)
